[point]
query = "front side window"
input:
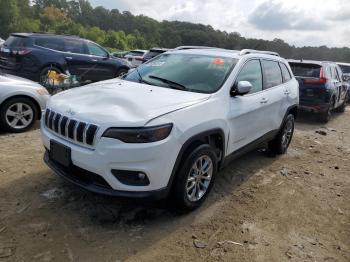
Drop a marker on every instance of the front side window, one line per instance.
(96, 50)
(189, 72)
(251, 72)
(74, 46)
(335, 74)
(272, 74)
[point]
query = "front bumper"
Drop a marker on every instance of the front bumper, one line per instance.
(156, 160)
(93, 183)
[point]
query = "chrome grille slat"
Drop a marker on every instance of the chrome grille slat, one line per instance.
(84, 133)
(71, 129)
(75, 130)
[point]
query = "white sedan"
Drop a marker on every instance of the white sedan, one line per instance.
(21, 103)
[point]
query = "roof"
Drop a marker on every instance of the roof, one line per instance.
(237, 54)
(343, 64)
(42, 35)
(159, 49)
(301, 61)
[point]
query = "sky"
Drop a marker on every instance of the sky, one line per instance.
(298, 22)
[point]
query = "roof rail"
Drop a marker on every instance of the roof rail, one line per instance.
(252, 51)
(185, 47)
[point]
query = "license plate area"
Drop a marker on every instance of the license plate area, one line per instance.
(60, 153)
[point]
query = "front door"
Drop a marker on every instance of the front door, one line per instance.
(247, 114)
(101, 67)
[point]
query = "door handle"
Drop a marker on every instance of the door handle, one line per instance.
(69, 58)
(94, 60)
(264, 101)
(286, 92)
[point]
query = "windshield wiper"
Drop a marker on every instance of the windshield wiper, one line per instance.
(170, 83)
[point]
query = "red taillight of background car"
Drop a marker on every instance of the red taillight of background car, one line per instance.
(139, 59)
(22, 52)
(317, 81)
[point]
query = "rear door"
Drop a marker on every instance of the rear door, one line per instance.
(343, 85)
(275, 94)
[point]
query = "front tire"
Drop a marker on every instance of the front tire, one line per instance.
(18, 115)
(121, 72)
(195, 178)
(282, 141)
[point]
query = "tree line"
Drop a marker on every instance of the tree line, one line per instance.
(124, 31)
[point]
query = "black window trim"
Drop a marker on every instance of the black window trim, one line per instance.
(290, 75)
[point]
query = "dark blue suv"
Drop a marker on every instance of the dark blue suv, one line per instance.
(322, 88)
(31, 55)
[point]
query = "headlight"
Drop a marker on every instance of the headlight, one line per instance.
(139, 134)
(42, 92)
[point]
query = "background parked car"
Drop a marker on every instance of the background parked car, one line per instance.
(322, 87)
(153, 53)
(32, 55)
(1, 41)
(120, 54)
(135, 57)
(21, 103)
(346, 72)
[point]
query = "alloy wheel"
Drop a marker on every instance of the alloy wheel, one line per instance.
(199, 178)
(19, 115)
(287, 133)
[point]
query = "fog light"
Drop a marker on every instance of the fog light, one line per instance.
(131, 178)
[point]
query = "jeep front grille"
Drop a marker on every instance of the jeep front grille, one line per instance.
(72, 129)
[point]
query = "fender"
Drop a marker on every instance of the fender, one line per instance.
(188, 146)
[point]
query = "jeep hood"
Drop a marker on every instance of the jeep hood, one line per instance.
(121, 103)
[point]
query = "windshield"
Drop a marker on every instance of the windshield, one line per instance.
(189, 72)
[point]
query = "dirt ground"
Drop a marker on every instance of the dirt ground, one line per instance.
(291, 208)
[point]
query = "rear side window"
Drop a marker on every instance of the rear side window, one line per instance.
(251, 72)
(50, 42)
(306, 70)
(285, 73)
(74, 46)
(272, 74)
(15, 41)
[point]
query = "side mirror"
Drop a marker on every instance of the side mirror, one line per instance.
(346, 77)
(241, 88)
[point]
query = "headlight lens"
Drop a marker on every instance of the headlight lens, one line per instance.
(42, 91)
(139, 135)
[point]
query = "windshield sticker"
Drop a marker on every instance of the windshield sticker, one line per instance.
(218, 61)
(160, 63)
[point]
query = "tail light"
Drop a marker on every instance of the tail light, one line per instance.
(22, 52)
(317, 81)
(139, 59)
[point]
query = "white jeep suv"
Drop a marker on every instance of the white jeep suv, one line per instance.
(171, 124)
